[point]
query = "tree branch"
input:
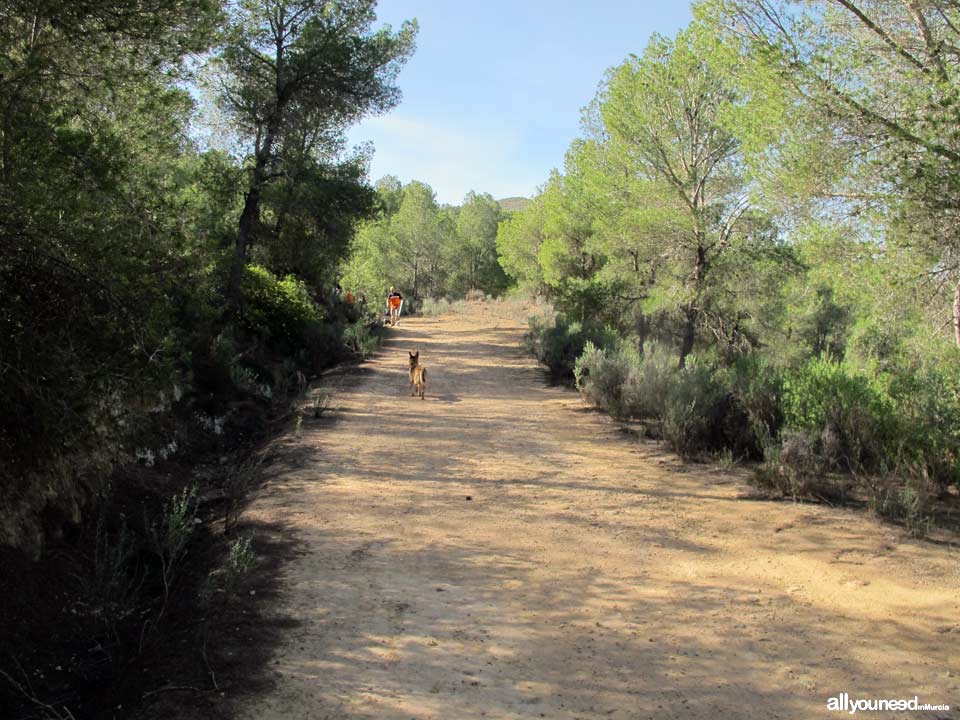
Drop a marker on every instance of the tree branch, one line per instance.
(883, 35)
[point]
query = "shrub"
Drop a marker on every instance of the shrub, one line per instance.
(693, 415)
(726, 460)
(757, 386)
(432, 307)
(795, 468)
(926, 404)
(645, 394)
(800, 465)
(170, 534)
(281, 311)
(323, 398)
(853, 421)
(624, 383)
(905, 495)
(109, 585)
(361, 338)
(558, 344)
(240, 562)
(699, 411)
(601, 375)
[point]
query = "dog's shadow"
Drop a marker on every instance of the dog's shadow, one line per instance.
(445, 398)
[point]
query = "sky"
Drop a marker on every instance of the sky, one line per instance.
(492, 95)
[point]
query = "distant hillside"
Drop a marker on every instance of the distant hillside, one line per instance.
(512, 204)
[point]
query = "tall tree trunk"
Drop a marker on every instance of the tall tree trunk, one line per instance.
(690, 324)
(249, 219)
(641, 332)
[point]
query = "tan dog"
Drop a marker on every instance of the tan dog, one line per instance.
(418, 375)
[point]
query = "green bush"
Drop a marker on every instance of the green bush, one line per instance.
(796, 468)
(624, 383)
(601, 376)
(558, 344)
(926, 404)
(435, 306)
(281, 311)
(239, 564)
(361, 337)
(905, 495)
(701, 409)
(170, 534)
(756, 386)
(853, 421)
(648, 387)
(693, 418)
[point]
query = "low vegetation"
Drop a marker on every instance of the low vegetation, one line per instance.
(819, 429)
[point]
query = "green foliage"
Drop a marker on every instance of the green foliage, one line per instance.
(281, 311)
(925, 404)
(314, 211)
(109, 585)
(559, 342)
(426, 250)
(759, 209)
(695, 413)
(852, 419)
(91, 263)
(587, 299)
(700, 409)
(796, 468)
(602, 375)
(648, 389)
(473, 258)
(360, 337)
(240, 562)
(170, 534)
(624, 383)
(323, 398)
(115, 248)
(756, 386)
(519, 237)
(564, 254)
(907, 496)
(432, 307)
(290, 78)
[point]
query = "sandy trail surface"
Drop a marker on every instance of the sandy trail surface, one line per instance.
(498, 550)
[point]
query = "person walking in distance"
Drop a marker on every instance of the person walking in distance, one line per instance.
(395, 305)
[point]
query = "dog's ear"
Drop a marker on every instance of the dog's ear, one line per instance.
(411, 354)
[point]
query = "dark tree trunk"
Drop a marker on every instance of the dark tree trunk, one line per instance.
(641, 332)
(249, 220)
(690, 312)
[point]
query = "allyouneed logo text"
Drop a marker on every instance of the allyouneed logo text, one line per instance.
(844, 703)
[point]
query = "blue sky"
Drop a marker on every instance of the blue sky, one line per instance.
(492, 96)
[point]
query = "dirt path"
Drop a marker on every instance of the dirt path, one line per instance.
(499, 551)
